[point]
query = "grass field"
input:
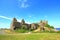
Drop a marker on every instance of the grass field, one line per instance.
(32, 36)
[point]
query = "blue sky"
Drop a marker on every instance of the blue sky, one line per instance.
(30, 10)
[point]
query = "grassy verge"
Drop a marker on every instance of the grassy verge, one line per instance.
(32, 36)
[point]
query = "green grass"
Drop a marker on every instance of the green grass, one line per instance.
(32, 36)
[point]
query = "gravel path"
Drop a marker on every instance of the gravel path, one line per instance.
(2, 32)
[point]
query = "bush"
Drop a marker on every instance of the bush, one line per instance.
(51, 27)
(44, 31)
(58, 31)
(47, 25)
(21, 30)
(51, 31)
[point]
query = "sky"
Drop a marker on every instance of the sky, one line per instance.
(31, 11)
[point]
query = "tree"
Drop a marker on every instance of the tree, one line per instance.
(14, 20)
(41, 21)
(47, 25)
(51, 26)
(23, 22)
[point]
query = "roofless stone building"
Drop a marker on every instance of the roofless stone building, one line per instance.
(18, 25)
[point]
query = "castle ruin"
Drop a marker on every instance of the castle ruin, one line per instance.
(18, 25)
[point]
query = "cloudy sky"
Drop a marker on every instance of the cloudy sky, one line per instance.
(30, 10)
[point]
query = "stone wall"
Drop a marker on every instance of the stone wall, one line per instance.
(17, 25)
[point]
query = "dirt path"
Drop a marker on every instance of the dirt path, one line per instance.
(2, 32)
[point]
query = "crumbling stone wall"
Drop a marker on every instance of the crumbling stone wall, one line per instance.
(18, 25)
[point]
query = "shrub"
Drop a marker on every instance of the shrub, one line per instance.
(23, 27)
(51, 27)
(21, 30)
(51, 31)
(44, 31)
(47, 25)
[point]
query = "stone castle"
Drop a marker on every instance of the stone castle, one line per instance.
(18, 25)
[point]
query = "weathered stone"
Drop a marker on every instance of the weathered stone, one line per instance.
(15, 24)
(34, 26)
(18, 25)
(42, 24)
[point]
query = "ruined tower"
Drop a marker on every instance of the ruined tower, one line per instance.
(15, 24)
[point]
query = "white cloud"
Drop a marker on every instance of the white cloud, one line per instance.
(23, 0)
(20, 0)
(29, 16)
(19, 20)
(45, 16)
(6, 17)
(28, 22)
(23, 4)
